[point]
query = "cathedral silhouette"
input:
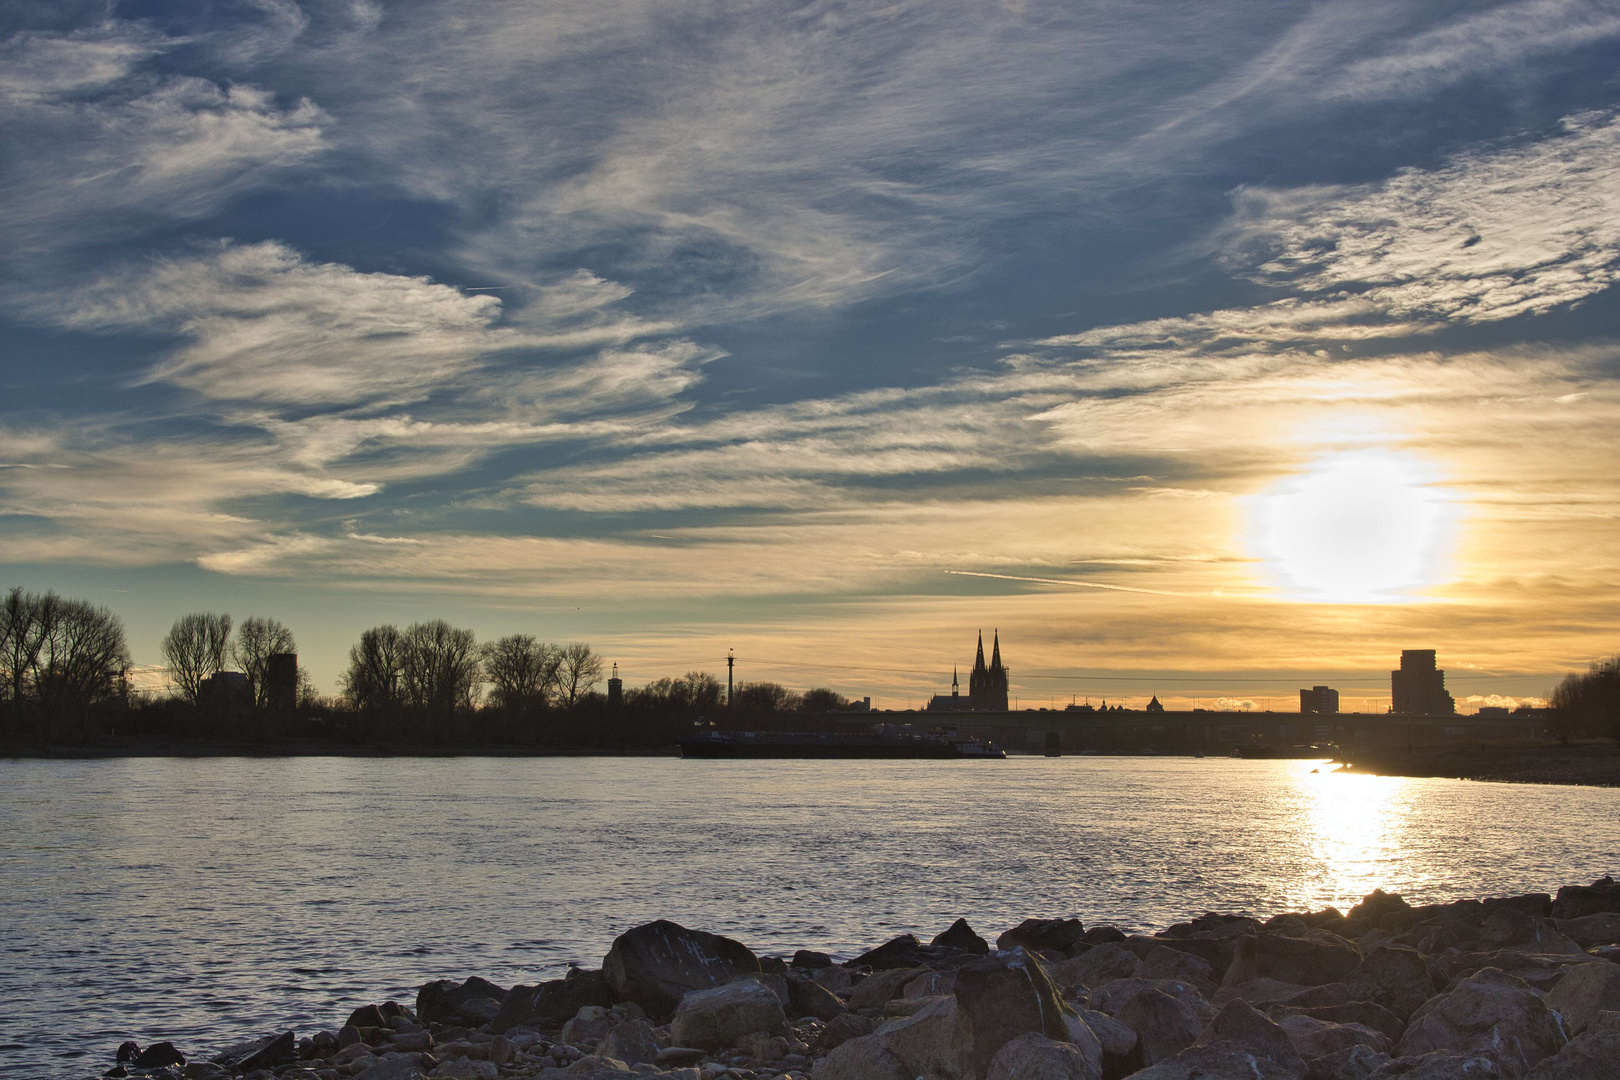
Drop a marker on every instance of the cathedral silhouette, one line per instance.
(987, 685)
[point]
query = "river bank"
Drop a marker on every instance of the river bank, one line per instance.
(1522, 986)
(1592, 764)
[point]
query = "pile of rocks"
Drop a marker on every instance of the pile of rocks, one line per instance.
(1516, 987)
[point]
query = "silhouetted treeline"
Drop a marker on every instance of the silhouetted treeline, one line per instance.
(62, 664)
(1589, 703)
(66, 664)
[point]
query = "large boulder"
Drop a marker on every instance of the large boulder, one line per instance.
(1035, 1057)
(656, 964)
(1352, 1063)
(1216, 1061)
(1315, 1038)
(863, 1058)
(1395, 977)
(904, 951)
(548, 1004)
(1442, 1065)
(1590, 931)
(1491, 1012)
(1164, 1025)
(1239, 1023)
(960, 937)
(1034, 935)
(265, 1053)
(806, 997)
(631, 1042)
(588, 1026)
(1167, 963)
(474, 1002)
(1110, 997)
(1510, 928)
(1097, 965)
(714, 1019)
(1574, 901)
(873, 991)
(1007, 994)
(1585, 991)
(1317, 958)
(1593, 1056)
(935, 1041)
(1366, 1014)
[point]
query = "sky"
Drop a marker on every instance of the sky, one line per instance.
(1202, 350)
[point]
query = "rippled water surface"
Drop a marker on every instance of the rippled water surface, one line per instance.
(201, 900)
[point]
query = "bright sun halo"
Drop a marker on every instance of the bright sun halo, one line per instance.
(1357, 527)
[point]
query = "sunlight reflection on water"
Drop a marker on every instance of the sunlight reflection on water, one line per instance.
(199, 900)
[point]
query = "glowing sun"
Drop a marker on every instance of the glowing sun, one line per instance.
(1359, 527)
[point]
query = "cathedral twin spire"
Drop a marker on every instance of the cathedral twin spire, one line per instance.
(987, 686)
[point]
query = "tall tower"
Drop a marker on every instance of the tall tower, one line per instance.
(615, 689)
(956, 687)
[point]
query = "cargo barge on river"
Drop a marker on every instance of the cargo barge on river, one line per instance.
(771, 744)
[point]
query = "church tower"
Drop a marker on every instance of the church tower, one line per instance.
(987, 685)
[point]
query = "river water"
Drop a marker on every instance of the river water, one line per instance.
(201, 900)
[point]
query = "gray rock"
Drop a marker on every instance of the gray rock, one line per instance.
(806, 997)
(873, 991)
(679, 1055)
(1320, 957)
(1491, 1012)
(466, 1069)
(1593, 1056)
(1167, 963)
(1098, 965)
(1585, 991)
(655, 965)
(262, 1053)
(550, 1003)
(588, 1026)
(393, 1067)
(934, 1041)
(1365, 1013)
(1164, 1025)
(474, 1002)
(1352, 1063)
(1035, 1057)
(1442, 1065)
(776, 984)
(1037, 934)
(1116, 1038)
(930, 984)
(1315, 1038)
(1216, 1061)
(1395, 977)
(864, 1058)
(718, 1017)
(1590, 931)
(1005, 995)
(961, 936)
(843, 1028)
(1238, 1022)
(1110, 997)
(631, 1042)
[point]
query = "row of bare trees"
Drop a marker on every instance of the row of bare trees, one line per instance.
(1589, 702)
(60, 660)
(198, 646)
(437, 668)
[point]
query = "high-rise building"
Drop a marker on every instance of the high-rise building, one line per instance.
(1320, 700)
(281, 681)
(1418, 688)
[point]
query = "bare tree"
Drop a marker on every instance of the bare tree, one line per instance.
(256, 641)
(1590, 700)
(439, 667)
(820, 699)
(26, 620)
(195, 648)
(522, 670)
(376, 670)
(578, 672)
(764, 697)
(82, 662)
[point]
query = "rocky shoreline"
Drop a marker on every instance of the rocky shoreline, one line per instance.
(1517, 987)
(1585, 764)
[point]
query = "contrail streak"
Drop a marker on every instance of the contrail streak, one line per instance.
(1076, 584)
